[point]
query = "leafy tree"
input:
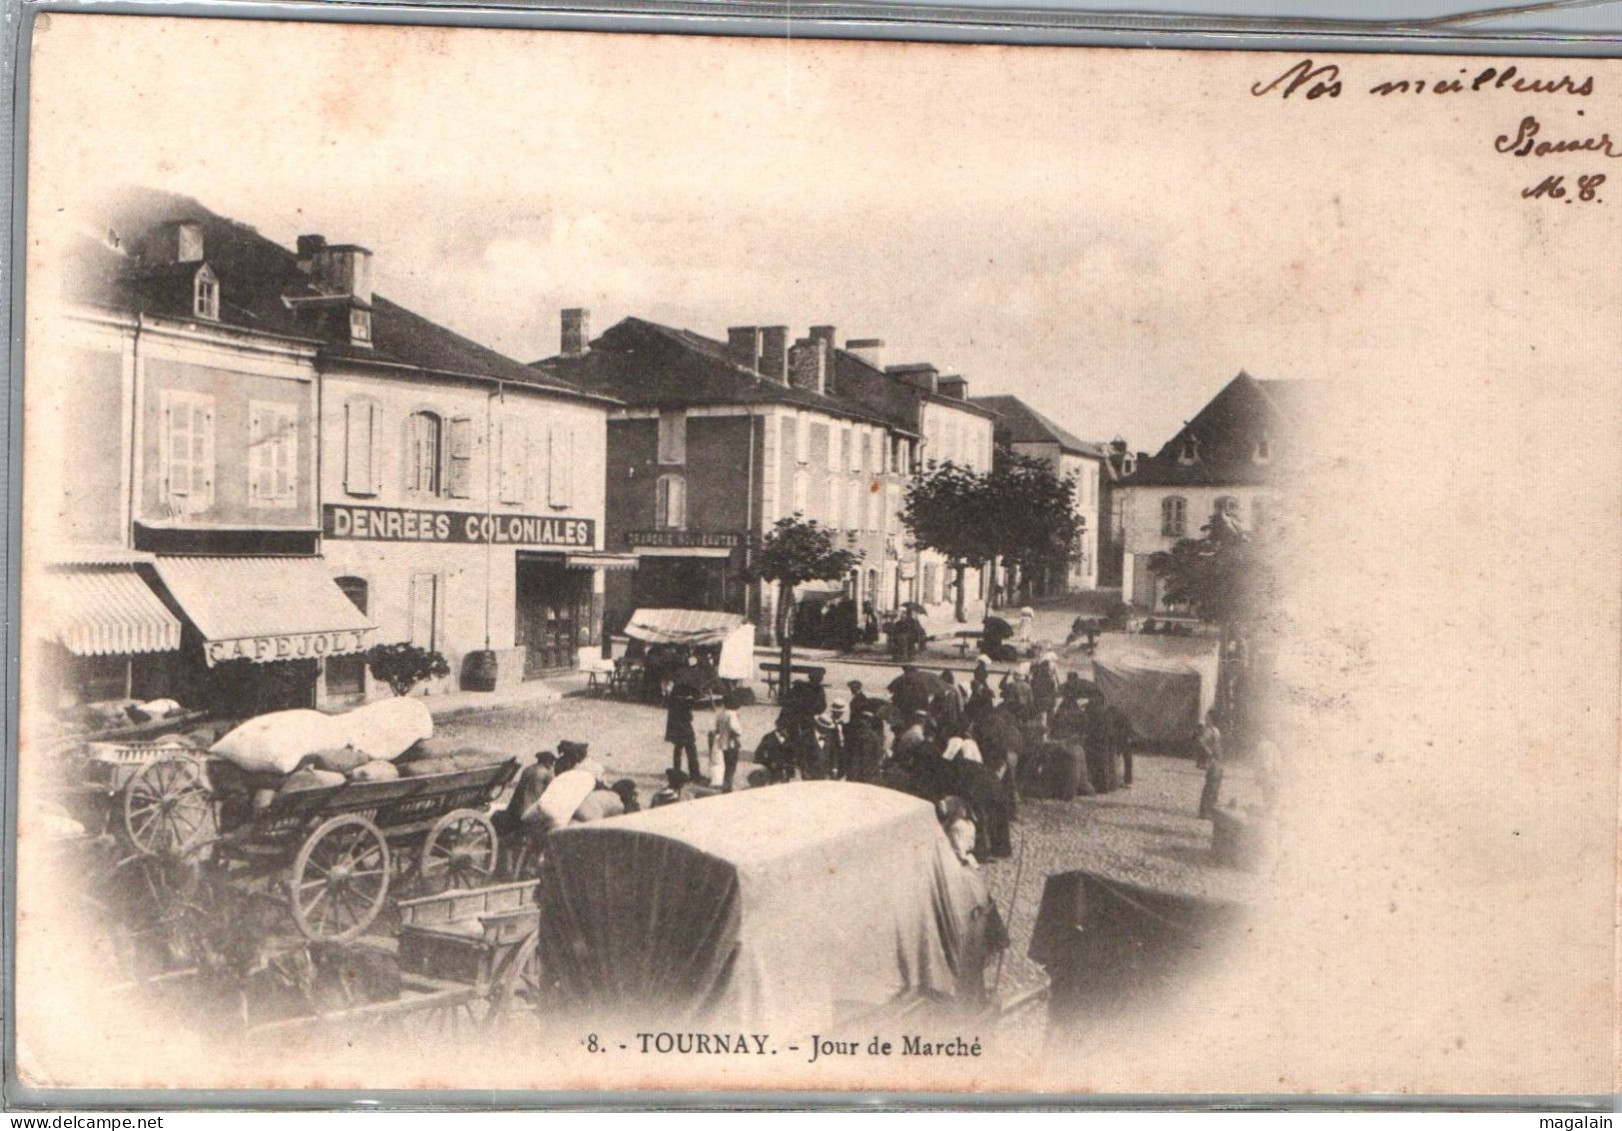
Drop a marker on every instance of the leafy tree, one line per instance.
(947, 509)
(403, 666)
(1019, 511)
(1032, 512)
(1225, 577)
(793, 552)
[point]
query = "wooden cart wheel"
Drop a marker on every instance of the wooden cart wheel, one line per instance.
(460, 852)
(519, 991)
(340, 879)
(168, 807)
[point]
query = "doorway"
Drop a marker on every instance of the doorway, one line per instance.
(548, 615)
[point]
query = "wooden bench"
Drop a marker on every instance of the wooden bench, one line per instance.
(770, 671)
(967, 637)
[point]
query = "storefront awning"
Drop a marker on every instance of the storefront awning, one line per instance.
(104, 612)
(682, 626)
(597, 560)
(682, 551)
(265, 609)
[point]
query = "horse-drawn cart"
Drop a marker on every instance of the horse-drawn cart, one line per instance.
(336, 850)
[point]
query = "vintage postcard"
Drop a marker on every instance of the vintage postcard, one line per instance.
(564, 561)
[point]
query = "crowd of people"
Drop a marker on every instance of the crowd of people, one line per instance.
(974, 748)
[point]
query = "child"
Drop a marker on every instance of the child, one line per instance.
(725, 742)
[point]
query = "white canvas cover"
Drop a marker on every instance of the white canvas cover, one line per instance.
(1163, 696)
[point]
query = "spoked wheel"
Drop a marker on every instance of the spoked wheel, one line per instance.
(460, 852)
(440, 1022)
(520, 990)
(168, 807)
(340, 878)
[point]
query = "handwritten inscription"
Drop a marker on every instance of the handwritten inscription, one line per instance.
(1525, 143)
(1310, 81)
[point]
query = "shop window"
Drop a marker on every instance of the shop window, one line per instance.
(426, 600)
(187, 463)
(672, 437)
(346, 675)
(360, 446)
(272, 455)
(514, 478)
(1173, 516)
(560, 467)
(102, 677)
(424, 436)
(671, 503)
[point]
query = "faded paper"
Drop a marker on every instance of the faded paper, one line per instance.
(1114, 232)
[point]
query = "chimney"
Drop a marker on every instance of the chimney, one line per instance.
(181, 241)
(808, 363)
(743, 346)
(870, 350)
(954, 386)
(920, 375)
(576, 332)
(343, 270)
(774, 353)
(823, 334)
(308, 246)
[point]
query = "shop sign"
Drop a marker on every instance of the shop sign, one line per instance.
(397, 524)
(683, 538)
(288, 646)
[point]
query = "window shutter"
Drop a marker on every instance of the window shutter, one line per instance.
(258, 449)
(360, 477)
(459, 475)
(514, 462)
(197, 459)
(287, 457)
(678, 501)
(661, 502)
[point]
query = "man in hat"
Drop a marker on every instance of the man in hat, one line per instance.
(838, 733)
(1016, 693)
(864, 749)
(679, 726)
(776, 751)
(804, 701)
(947, 707)
(912, 691)
(860, 703)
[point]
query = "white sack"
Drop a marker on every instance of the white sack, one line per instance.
(275, 743)
(386, 729)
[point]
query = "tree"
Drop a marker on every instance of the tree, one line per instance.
(1225, 577)
(1019, 511)
(947, 509)
(403, 666)
(1032, 512)
(793, 552)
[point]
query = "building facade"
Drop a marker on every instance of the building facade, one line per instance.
(302, 469)
(718, 440)
(1228, 459)
(1026, 432)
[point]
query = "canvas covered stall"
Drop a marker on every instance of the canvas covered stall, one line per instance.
(1163, 694)
(787, 909)
(727, 637)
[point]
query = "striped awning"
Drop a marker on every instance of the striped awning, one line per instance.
(682, 626)
(265, 609)
(105, 612)
(595, 559)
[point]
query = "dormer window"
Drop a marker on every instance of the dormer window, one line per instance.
(1190, 451)
(1263, 452)
(206, 295)
(360, 326)
(1129, 465)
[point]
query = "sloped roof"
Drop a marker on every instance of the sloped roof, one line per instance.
(651, 365)
(257, 276)
(1022, 424)
(1226, 433)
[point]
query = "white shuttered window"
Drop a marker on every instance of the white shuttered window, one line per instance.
(187, 458)
(272, 454)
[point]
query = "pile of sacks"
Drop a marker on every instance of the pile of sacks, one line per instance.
(381, 741)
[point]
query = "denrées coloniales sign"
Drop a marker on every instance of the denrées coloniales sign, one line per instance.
(395, 524)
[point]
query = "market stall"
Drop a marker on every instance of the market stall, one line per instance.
(789, 908)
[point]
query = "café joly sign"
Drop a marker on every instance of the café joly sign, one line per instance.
(395, 524)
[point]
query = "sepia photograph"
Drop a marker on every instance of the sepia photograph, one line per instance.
(559, 561)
